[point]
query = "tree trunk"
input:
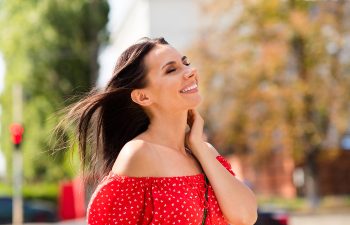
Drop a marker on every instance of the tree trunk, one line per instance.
(311, 180)
(311, 149)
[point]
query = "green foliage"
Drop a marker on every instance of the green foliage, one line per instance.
(50, 48)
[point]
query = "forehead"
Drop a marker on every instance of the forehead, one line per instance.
(160, 55)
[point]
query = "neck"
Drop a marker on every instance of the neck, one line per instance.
(169, 130)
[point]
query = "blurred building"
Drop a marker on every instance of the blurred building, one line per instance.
(274, 178)
(281, 176)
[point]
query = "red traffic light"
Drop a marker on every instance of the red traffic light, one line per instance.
(16, 133)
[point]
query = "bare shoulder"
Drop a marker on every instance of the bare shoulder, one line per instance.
(136, 159)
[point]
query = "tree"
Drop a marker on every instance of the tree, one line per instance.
(275, 73)
(50, 47)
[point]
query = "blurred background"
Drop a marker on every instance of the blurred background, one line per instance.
(275, 77)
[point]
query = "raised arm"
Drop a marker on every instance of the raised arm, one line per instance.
(237, 202)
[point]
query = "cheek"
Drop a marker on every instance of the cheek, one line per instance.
(168, 92)
(168, 95)
(163, 92)
(167, 87)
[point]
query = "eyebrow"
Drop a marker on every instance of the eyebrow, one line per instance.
(172, 62)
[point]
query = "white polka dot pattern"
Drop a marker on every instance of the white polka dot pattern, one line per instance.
(154, 200)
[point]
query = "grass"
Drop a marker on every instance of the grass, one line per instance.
(43, 191)
(295, 204)
(327, 204)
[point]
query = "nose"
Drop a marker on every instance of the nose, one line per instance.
(190, 72)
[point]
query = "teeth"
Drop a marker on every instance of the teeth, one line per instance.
(189, 88)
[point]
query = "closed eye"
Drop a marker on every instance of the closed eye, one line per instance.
(170, 70)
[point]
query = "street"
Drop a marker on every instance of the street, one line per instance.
(295, 219)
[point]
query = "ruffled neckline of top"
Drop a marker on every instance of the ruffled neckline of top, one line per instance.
(197, 177)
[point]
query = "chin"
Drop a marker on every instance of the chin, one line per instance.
(196, 102)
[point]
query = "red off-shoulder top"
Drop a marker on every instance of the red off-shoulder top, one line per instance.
(154, 200)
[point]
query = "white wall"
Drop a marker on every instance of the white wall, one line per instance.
(135, 25)
(175, 20)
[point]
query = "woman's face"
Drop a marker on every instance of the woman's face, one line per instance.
(172, 82)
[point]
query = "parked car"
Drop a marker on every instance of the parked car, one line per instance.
(272, 217)
(33, 211)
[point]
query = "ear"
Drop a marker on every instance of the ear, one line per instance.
(140, 97)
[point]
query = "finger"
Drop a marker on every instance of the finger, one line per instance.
(197, 119)
(190, 117)
(195, 114)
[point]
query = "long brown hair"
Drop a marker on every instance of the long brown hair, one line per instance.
(105, 120)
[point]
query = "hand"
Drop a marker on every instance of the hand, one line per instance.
(194, 137)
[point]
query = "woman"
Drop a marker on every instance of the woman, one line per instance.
(155, 170)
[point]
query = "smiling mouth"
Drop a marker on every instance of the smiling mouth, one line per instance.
(191, 88)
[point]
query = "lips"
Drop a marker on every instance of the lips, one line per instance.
(189, 88)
